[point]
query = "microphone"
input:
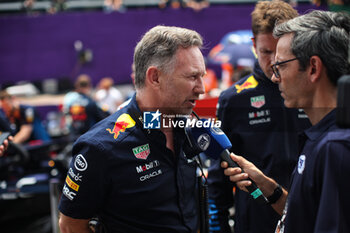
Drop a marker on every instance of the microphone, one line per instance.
(213, 142)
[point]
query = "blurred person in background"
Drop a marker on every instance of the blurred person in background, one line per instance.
(57, 6)
(28, 7)
(334, 5)
(113, 5)
(81, 111)
(107, 96)
(259, 127)
(131, 93)
(175, 4)
(4, 145)
(25, 122)
(4, 127)
(197, 5)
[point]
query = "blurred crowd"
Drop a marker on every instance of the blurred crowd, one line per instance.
(116, 5)
(108, 6)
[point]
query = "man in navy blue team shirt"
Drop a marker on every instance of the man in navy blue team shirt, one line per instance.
(259, 127)
(23, 121)
(311, 56)
(132, 178)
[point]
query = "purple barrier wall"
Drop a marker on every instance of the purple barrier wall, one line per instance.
(41, 47)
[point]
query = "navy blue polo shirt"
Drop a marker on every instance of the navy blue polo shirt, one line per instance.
(29, 115)
(83, 111)
(265, 132)
(318, 198)
(126, 176)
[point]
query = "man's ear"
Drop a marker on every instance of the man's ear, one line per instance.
(315, 69)
(152, 76)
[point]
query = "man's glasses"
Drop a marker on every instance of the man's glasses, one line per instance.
(275, 69)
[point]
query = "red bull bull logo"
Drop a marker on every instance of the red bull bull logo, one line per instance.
(123, 122)
(249, 83)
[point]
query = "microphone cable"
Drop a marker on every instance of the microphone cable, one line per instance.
(203, 193)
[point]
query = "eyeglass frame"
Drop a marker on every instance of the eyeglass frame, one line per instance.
(275, 69)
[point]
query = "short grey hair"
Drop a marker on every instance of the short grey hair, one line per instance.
(321, 33)
(158, 47)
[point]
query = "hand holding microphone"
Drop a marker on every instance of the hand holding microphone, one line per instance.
(240, 175)
(214, 143)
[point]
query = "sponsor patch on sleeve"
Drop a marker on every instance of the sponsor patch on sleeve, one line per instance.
(68, 193)
(80, 163)
(72, 184)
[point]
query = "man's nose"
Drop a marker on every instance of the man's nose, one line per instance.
(199, 88)
(275, 79)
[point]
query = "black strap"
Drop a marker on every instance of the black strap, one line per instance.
(277, 193)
